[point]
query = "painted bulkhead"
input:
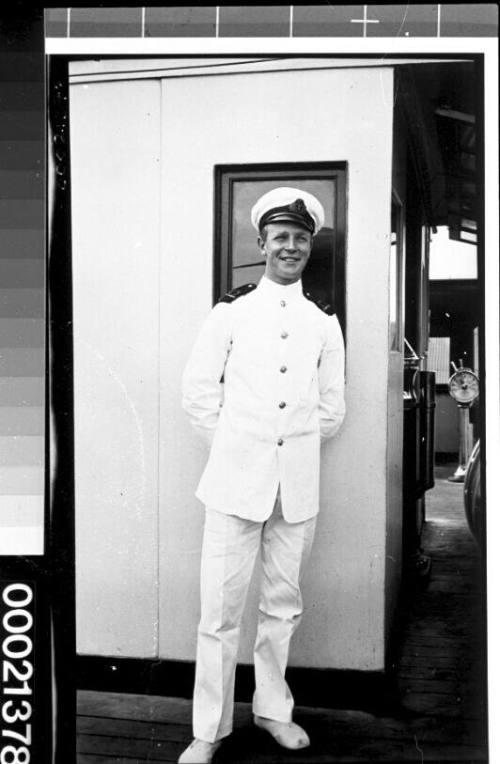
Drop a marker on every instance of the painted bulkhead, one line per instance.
(143, 151)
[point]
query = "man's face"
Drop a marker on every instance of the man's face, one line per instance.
(286, 249)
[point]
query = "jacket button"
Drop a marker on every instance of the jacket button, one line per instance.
(282, 303)
(283, 369)
(284, 335)
(282, 405)
(280, 442)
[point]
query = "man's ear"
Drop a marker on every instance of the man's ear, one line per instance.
(261, 244)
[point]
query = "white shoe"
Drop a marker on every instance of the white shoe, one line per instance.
(287, 734)
(199, 752)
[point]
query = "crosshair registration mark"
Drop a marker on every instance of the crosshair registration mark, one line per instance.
(16, 673)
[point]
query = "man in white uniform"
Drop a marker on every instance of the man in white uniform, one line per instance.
(280, 356)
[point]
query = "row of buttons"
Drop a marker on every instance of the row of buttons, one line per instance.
(283, 369)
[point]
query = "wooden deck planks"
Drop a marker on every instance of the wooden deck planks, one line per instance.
(136, 748)
(116, 705)
(249, 746)
(348, 723)
(129, 728)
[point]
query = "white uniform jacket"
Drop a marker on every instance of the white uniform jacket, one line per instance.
(282, 360)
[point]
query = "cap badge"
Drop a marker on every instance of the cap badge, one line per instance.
(298, 206)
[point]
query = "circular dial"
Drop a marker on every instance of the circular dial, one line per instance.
(464, 386)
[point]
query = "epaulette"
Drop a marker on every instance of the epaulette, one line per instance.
(321, 304)
(238, 292)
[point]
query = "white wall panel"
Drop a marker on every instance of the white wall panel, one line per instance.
(143, 185)
(115, 132)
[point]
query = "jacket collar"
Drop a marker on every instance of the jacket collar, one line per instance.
(280, 291)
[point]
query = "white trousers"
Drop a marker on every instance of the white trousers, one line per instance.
(230, 547)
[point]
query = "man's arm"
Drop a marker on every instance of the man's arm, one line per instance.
(201, 382)
(331, 381)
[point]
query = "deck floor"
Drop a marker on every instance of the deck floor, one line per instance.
(440, 679)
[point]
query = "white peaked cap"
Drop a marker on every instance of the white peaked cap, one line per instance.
(285, 204)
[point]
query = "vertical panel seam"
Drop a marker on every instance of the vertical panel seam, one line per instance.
(158, 370)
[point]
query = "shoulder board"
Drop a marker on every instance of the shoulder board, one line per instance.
(321, 304)
(238, 292)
